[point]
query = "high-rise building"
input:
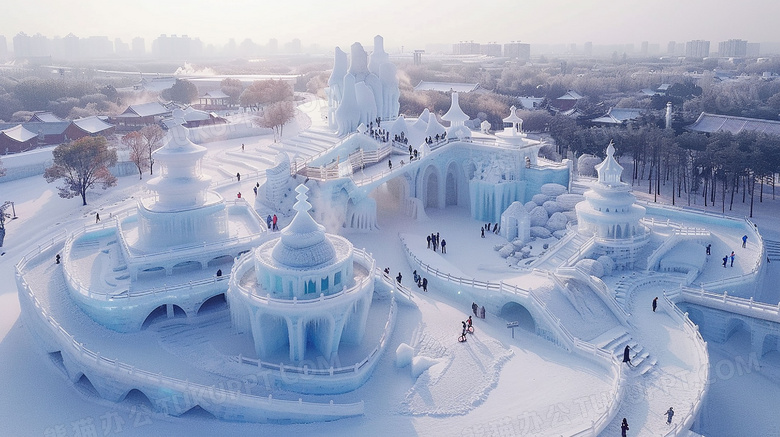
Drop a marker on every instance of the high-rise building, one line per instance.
(697, 48)
(753, 49)
(465, 48)
(521, 51)
(587, 48)
(644, 48)
(490, 49)
(733, 48)
(671, 47)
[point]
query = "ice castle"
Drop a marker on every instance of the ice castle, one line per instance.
(161, 258)
(305, 286)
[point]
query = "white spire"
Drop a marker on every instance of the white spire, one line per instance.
(609, 170)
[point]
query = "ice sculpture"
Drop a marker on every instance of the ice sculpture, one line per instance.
(303, 287)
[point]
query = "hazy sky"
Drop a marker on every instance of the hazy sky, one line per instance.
(411, 23)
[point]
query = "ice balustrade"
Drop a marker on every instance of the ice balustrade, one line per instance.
(692, 331)
(115, 369)
(244, 264)
(738, 305)
(571, 343)
(679, 234)
(360, 367)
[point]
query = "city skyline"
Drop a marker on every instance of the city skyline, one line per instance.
(411, 24)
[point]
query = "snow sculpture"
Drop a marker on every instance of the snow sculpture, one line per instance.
(273, 290)
(608, 263)
(434, 127)
(539, 199)
(399, 126)
(336, 85)
(610, 209)
(568, 201)
(362, 215)
(403, 355)
(456, 117)
(276, 178)
(551, 207)
(538, 216)
(515, 224)
(557, 222)
(540, 232)
(590, 267)
(373, 84)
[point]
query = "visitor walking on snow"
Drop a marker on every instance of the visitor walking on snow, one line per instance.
(425, 285)
(744, 240)
(709, 247)
(398, 278)
(444, 247)
(725, 258)
(429, 241)
(623, 427)
(390, 163)
(268, 222)
(655, 303)
(669, 414)
(238, 176)
(483, 231)
(275, 220)
(469, 322)
(97, 217)
(732, 258)
(474, 308)
(464, 328)
(627, 355)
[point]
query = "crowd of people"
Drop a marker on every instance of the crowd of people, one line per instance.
(435, 242)
(487, 227)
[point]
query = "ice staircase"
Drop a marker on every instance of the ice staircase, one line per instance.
(560, 254)
(772, 249)
(615, 341)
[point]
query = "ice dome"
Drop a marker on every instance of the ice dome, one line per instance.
(303, 243)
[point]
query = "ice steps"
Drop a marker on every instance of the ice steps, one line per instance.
(641, 360)
(772, 249)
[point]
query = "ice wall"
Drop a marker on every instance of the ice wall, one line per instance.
(489, 200)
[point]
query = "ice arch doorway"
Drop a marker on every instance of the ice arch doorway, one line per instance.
(514, 312)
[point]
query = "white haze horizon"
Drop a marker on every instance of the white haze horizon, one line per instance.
(408, 23)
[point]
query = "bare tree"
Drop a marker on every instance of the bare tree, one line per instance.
(134, 142)
(153, 136)
(82, 164)
(276, 116)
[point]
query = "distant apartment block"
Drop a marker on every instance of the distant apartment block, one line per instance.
(697, 48)
(176, 47)
(138, 46)
(465, 48)
(490, 49)
(521, 51)
(3, 48)
(733, 48)
(753, 49)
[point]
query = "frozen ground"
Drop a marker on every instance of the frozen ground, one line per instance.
(478, 394)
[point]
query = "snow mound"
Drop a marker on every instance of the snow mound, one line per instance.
(551, 207)
(507, 250)
(421, 364)
(540, 232)
(538, 216)
(539, 199)
(530, 205)
(557, 222)
(567, 201)
(590, 267)
(559, 234)
(553, 190)
(403, 355)
(608, 263)
(586, 165)
(571, 215)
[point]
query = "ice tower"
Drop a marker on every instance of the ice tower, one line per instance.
(611, 214)
(303, 287)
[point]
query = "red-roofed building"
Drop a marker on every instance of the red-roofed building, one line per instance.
(91, 126)
(17, 139)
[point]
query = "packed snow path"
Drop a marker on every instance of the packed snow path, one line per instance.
(679, 375)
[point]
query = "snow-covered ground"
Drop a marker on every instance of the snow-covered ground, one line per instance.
(490, 385)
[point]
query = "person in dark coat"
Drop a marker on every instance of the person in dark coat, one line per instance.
(744, 240)
(429, 241)
(624, 427)
(725, 258)
(97, 217)
(709, 249)
(399, 277)
(238, 176)
(655, 303)
(443, 246)
(425, 284)
(464, 327)
(219, 273)
(483, 231)
(482, 312)
(474, 308)
(627, 355)
(669, 414)
(268, 221)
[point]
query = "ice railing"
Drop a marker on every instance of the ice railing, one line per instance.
(701, 351)
(738, 305)
(570, 342)
(679, 234)
(115, 368)
(344, 370)
(244, 263)
(183, 249)
(296, 166)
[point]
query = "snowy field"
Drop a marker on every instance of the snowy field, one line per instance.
(490, 385)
